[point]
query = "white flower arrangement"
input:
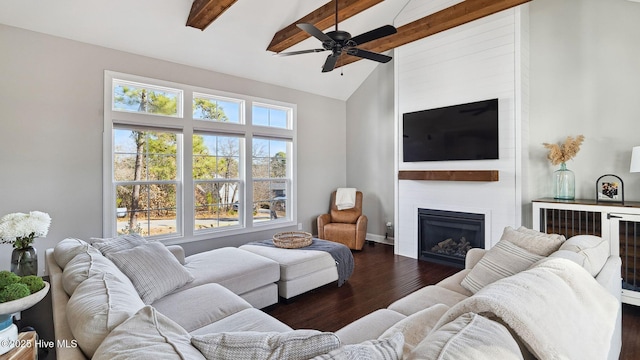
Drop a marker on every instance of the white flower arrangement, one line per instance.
(20, 229)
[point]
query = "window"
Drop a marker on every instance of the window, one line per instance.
(217, 183)
(198, 174)
(270, 116)
(211, 108)
(146, 180)
(270, 178)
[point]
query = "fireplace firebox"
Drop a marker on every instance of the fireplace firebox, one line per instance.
(444, 237)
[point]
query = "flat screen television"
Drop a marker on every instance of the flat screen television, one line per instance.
(458, 132)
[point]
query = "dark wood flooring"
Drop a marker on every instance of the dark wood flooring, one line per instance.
(380, 278)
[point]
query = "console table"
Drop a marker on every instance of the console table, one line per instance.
(27, 349)
(618, 223)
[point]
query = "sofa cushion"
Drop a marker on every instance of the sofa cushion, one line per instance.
(153, 270)
(98, 305)
(426, 297)
(470, 336)
(246, 320)
(593, 250)
(118, 243)
(67, 249)
(156, 337)
(453, 282)
(238, 270)
(416, 327)
(370, 326)
(384, 349)
(223, 304)
(86, 264)
(291, 345)
(535, 242)
(502, 260)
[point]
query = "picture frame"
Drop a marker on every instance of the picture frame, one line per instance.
(610, 188)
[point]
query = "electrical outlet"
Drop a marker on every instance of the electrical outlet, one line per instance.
(299, 226)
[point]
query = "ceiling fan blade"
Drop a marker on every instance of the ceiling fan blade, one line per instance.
(299, 52)
(330, 63)
(365, 54)
(374, 34)
(315, 32)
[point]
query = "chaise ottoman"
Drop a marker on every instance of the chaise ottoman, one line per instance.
(246, 274)
(300, 270)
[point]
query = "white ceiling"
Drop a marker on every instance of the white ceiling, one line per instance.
(234, 44)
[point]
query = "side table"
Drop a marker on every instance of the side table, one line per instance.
(27, 348)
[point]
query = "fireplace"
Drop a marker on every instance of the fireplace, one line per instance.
(444, 237)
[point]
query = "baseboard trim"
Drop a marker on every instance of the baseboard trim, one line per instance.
(375, 238)
(380, 239)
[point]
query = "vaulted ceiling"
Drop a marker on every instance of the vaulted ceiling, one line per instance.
(240, 37)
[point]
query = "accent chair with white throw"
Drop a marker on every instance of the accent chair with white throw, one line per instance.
(345, 222)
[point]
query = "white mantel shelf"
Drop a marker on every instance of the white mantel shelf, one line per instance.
(449, 175)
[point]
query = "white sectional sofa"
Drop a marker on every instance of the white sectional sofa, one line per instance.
(564, 304)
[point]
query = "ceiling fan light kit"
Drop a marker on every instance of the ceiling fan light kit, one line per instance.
(339, 42)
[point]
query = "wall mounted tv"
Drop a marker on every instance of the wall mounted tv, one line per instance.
(458, 132)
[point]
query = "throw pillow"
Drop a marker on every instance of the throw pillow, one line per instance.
(153, 270)
(533, 241)
(156, 338)
(67, 249)
(118, 243)
(470, 336)
(99, 304)
(292, 345)
(385, 349)
(502, 260)
(594, 251)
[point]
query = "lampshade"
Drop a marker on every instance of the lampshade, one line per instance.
(635, 159)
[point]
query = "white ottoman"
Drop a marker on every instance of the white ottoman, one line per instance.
(300, 270)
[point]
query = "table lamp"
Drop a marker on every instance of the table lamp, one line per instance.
(635, 160)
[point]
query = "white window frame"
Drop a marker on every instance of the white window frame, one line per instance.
(186, 125)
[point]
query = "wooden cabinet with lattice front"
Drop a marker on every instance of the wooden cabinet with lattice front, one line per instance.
(618, 223)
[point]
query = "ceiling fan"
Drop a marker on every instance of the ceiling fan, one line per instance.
(339, 42)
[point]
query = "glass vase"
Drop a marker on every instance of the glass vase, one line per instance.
(24, 261)
(564, 183)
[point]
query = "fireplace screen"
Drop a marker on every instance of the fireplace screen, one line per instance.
(445, 236)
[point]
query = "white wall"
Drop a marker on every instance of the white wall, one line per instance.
(370, 148)
(585, 80)
(476, 61)
(51, 96)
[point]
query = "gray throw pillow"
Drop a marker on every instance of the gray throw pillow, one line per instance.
(118, 243)
(152, 269)
(383, 349)
(502, 260)
(533, 241)
(291, 345)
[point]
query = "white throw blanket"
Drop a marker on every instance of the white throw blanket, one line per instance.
(345, 198)
(557, 308)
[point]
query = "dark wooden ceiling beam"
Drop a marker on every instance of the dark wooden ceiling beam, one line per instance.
(322, 18)
(446, 19)
(204, 12)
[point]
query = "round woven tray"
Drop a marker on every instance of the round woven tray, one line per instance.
(292, 239)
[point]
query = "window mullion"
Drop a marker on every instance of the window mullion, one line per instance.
(187, 193)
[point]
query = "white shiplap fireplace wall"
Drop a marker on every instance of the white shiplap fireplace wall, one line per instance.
(484, 59)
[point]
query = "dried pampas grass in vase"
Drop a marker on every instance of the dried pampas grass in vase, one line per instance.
(563, 178)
